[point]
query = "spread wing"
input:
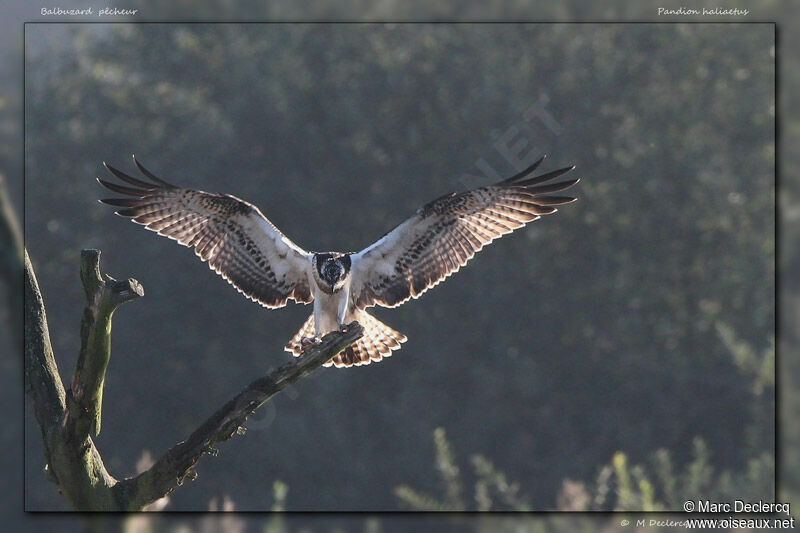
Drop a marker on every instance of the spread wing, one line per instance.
(443, 235)
(238, 242)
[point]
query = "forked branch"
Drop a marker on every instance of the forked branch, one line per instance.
(103, 297)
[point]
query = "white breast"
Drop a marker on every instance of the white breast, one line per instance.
(330, 310)
(326, 310)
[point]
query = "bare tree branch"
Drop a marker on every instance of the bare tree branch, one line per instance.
(103, 296)
(42, 381)
(173, 467)
(68, 420)
(73, 462)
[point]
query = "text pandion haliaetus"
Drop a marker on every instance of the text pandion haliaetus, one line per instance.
(244, 247)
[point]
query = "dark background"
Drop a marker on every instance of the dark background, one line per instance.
(638, 319)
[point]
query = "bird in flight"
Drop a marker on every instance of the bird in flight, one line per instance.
(245, 248)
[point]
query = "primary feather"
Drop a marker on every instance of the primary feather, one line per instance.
(238, 241)
(245, 248)
(446, 233)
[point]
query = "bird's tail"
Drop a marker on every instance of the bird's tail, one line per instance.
(377, 342)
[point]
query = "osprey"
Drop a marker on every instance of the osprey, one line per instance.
(246, 249)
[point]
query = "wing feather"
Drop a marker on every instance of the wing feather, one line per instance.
(233, 236)
(444, 234)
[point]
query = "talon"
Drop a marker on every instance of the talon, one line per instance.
(307, 342)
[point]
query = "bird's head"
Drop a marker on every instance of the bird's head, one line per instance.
(332, 270)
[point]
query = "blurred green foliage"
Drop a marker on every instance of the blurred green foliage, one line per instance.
(491, 489)
(655, 487)
(618, 486)
(616, 324)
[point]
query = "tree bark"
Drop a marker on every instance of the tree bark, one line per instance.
(69, 419)
(72, 462)
(103, 297)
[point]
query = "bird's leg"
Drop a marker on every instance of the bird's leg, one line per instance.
(306, 342)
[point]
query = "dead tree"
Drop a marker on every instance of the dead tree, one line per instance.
(69, 419)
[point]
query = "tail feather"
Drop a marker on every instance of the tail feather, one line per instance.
(377, 342)
(294, 346)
